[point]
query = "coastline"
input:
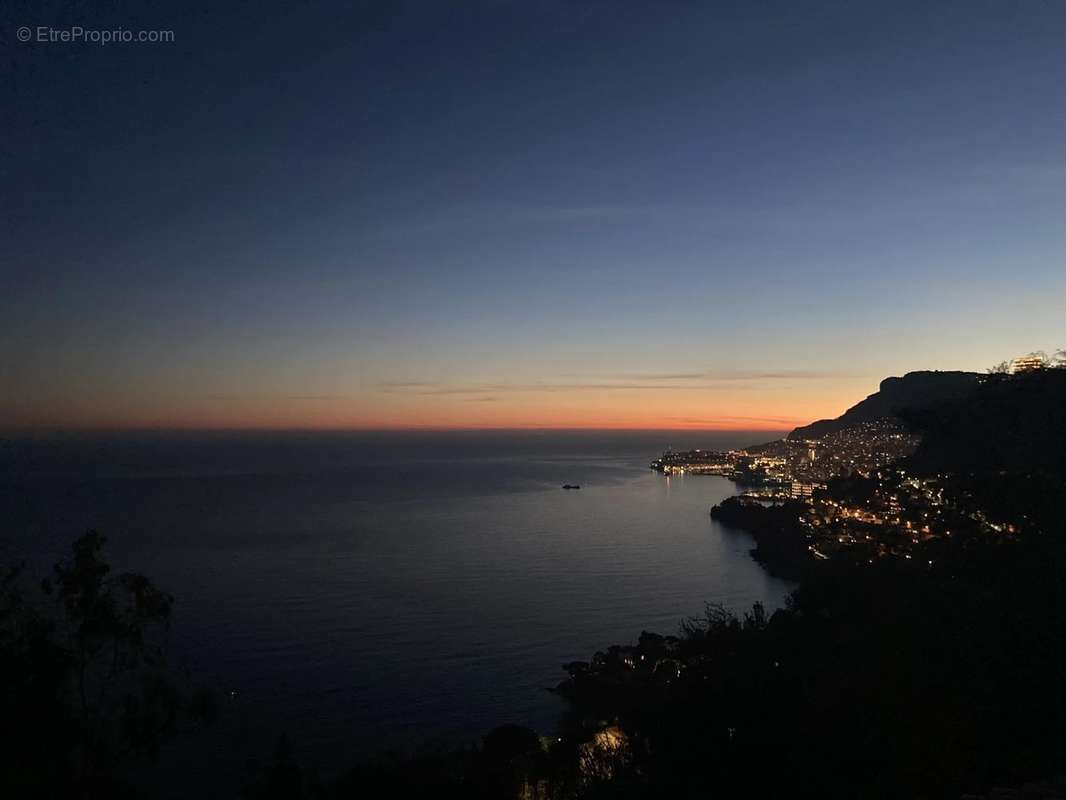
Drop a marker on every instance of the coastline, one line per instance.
(781, 545)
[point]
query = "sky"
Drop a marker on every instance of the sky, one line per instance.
(522, 214)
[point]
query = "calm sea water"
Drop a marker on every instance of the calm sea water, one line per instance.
(361, 591)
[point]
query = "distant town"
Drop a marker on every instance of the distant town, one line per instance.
(792, 468)
(847, 493)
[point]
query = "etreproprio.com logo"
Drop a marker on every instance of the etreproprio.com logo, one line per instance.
(76, 34)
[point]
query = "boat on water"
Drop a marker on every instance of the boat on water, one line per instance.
(571, 486)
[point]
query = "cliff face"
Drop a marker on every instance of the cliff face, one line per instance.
(915, 390)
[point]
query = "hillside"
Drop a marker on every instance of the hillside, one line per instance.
(1006, 445)
(894, 397)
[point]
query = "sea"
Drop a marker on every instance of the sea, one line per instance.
(357, 592)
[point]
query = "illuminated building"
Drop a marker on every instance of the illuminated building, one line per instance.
(1028, 363)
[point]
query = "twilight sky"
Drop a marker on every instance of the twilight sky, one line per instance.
(571, 214)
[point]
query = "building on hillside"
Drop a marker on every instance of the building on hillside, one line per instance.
(1027, 363)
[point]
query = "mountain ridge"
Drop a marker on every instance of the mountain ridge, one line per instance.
(894, 396)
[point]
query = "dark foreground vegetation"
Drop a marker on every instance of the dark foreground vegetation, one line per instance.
(780, 545)
(86, 691)
(893, 678)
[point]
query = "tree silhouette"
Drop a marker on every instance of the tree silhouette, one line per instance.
(86, 684)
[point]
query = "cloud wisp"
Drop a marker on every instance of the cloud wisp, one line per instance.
(729, 375)
(672, 381)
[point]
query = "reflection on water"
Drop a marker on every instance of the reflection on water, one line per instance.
(367, 591)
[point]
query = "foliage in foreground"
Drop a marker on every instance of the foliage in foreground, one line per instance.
(85, 687)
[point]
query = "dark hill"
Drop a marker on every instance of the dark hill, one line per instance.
(915, 390)
(1013, 424)
(1005, 444)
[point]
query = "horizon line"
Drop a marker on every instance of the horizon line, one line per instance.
(26, 429)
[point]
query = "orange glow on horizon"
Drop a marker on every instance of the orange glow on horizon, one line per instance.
(746, 409)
